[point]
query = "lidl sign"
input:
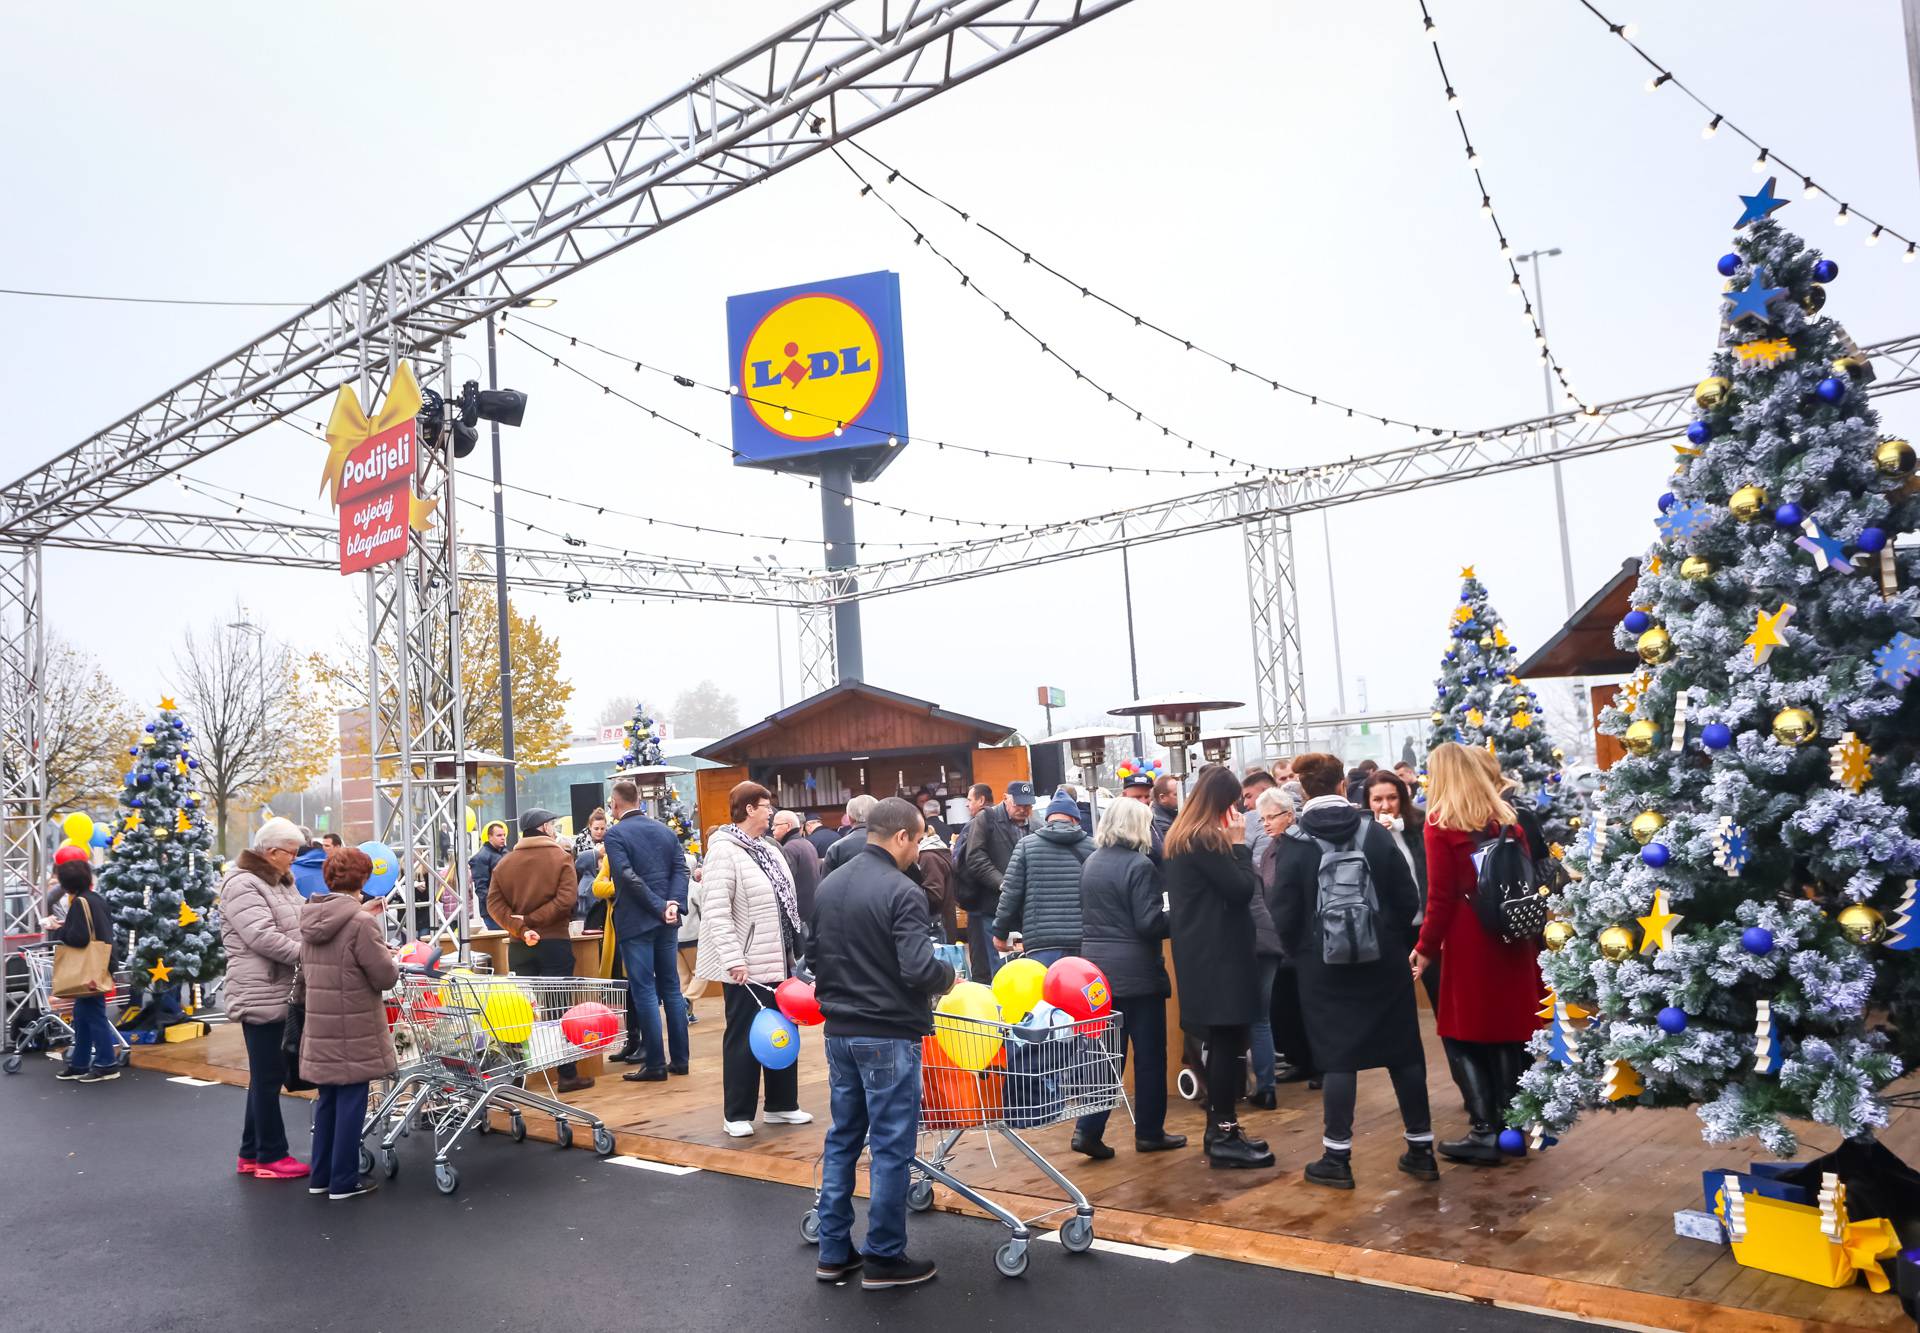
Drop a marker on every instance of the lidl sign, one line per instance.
(818, 369)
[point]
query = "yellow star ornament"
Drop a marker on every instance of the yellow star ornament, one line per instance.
(1657, 926)
(133, 819)
(1462, 614)
(160, 972)
(1769, 632)
(1653, 564)
(1475, 717)
(1467, 573)
(167, 705)
(1522, 719)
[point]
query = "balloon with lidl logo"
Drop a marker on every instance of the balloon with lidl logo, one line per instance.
(507, 1014)
(77, 827)
(417, 954)
(590, 1025)
(966, 1026)
(386, 869)
(774, 1039)
(794, 998)
(1080, 988)
(69, 852)
(1017, 987)
(101, 837)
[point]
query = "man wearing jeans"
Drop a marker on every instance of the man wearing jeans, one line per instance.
(874, 968)
(649, 892)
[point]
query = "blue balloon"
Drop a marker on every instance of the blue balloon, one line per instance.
(386, 869)
(1825, 270)
(774, 1039)
(1728, 265)
(1513, 1143)
(1871, 540)
(1788, 515)
(1672, 1020)
(1757, 940)
(1831, 390)
(1699, 433)
(1716, 735)
(1655, 854)
(101, 838)
(1637, 622)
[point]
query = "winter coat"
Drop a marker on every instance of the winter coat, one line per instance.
(480, 867)
(73, 930)
(1040, 893)
(344, 970)
(309, 872)
(1211, 899)
(649, 869)
(739, 917)
(823, 839)
(1162, 821)
(936, 877)
(803, 863)
(1357, 1015)
(847, 844)
(1122, 922)
(1490, 990)
(1266, 939)
(586, 869)
(991, 838)
(536, 882)
(871, 951)
(260, 927)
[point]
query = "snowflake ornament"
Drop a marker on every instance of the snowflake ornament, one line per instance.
(1851, 763)
(1897, 660)
(1731, 850)
(1684, 520)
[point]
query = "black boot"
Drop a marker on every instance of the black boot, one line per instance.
(1334, 1170)
(1232, 1150)
(1089, 1145)
(1417, 1161)
(1478, 1081)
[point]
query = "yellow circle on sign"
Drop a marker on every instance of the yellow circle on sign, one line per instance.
(810, 366)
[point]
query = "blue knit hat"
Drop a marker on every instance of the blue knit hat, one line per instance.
(1063, 804)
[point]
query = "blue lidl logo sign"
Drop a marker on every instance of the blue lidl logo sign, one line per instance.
(817, 369)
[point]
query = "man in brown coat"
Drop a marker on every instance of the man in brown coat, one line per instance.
(531, 898)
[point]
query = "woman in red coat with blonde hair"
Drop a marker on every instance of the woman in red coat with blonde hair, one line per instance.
(1490, 988)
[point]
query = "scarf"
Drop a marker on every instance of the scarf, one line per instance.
(773, 864)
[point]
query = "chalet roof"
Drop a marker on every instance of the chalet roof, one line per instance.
(728, 748)
(1584, 645)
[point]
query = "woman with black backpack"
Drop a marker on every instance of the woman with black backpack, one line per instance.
(1490, 987)
(1343, 925)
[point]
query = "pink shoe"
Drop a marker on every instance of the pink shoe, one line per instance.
(248, 1166)
(287, 1168)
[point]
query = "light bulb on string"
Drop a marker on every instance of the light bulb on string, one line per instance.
(1473, 156)
(1486, 205)
(1432, 28)
(1711, 128)
(1873, 237)
(1760, 162)
(1653, 84)
(1907, 258)
(1453, 98)
(1840, 218)
(1808, 189)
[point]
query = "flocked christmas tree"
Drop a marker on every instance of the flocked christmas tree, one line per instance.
(1480, 702)
(643, 748)
(1745, 938)
(159, 875)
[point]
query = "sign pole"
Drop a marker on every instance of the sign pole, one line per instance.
(836, 527)
(500, 598)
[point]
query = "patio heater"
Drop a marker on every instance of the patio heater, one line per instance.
(1176, 722)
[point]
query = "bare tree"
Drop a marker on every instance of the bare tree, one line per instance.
(86, 726)
(705, 710)
(259, 722)
(618, 711)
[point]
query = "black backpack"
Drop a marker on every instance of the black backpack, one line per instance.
(1507, 893)
(1349, 907)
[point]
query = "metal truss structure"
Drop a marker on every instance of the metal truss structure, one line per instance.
(1273, 610)
(23, 774)
(818, 659)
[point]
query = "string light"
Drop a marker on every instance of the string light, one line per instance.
(1661, 75)
(1232, 364)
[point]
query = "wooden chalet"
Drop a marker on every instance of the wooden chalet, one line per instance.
(1584, 647)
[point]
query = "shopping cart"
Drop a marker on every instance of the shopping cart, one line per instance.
(1000, 1079)
(43, 1022)
(477, 1041)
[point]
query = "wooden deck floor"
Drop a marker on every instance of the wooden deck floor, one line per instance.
(1584, 1228)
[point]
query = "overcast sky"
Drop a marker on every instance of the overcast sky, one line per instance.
(1282, 179)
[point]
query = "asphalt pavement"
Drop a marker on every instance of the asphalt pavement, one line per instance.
(120, 1209)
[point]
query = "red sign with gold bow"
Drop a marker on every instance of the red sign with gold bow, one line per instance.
(370, 468)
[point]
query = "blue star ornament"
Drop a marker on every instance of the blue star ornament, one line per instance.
(1683, 520)
(1760, 205)
(1827, 552)
(1756, 300)
(1897, 661)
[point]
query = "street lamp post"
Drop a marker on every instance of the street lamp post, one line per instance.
(246, 626)
(1546, 382)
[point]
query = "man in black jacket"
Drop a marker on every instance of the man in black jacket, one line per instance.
(989, 846)
(1166, 804)
(871, 950)
(854, 840)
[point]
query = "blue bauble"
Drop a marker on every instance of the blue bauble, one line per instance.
(1666, 501)
(1716, 735)
(1655, 854)
(1513, 1143)
(1672, 1020)
(1871, 540)
(134, 750)
(149, 726)
(193, 763)
(1636, 622)
(1831, 390)
(1757, 940)
(1728, 265)
(1825, 270)
(1553, 777)
(191, 802)
(1788, 515)
(134, 801)
(1699, 433)
(145, 779)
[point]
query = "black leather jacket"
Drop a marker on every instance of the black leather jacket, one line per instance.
(871, 951)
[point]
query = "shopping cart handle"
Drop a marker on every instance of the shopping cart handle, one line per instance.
(430, 968)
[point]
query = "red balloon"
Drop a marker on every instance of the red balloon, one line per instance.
(1077, 986)
(71, 851)
(794, 998)
(589, 1025)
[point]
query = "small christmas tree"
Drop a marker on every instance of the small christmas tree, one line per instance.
(1744, 923)
(159, 878)
(1481, 702)
(643, 749)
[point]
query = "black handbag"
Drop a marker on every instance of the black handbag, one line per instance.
(295, 1028)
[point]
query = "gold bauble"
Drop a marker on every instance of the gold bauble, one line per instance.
(1655, 646)
(1616, 944)
(1558, 754)
(1815, 298)
(1641, 737)
(1795, 726)
(1854, 368)
(1695, 568)
(1709, 393)
(1438, 718)
(1645, 825)
(1894, 458)
(1575, 823)
(1862, 924)
(1556, 934)
(1486, 640)
(1747, 502)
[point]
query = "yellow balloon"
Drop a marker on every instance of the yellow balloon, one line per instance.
(965, 1026)
(77, 827)
(1017, 987)
(460, 988)
(507, 1014)
(473, 820)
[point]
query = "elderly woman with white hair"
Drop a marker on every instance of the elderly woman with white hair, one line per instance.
(260, 927)
(1121, 926)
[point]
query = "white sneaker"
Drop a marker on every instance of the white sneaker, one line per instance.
(737, 1129)
(788, 1117)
